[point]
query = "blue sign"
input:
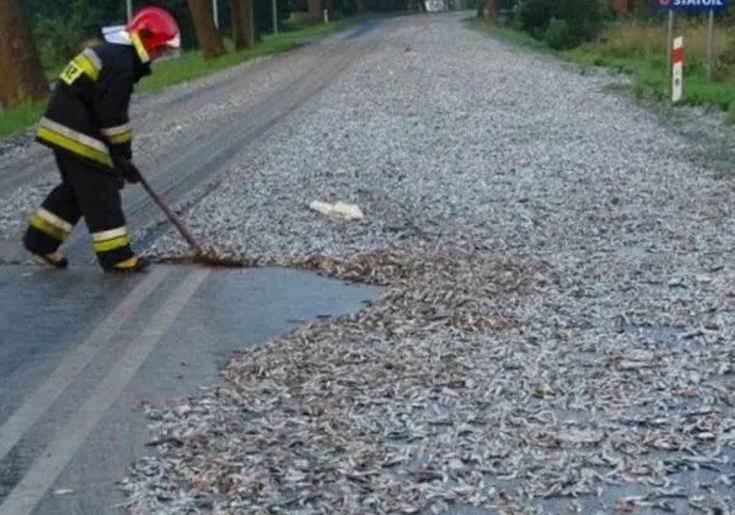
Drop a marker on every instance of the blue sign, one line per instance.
(693, 6)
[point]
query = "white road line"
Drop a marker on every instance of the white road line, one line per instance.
(51, 462)
(45, 395)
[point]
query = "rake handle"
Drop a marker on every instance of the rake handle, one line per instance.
(171, 216)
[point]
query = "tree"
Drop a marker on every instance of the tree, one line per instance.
(416, 6)
(315, 11)
(488, 9)
(22, 78)
(243, 23)
(209, 41)
(491, 11)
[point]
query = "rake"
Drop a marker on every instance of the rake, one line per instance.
(200, 256)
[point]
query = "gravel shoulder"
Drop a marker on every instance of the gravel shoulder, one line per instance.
(557, 320)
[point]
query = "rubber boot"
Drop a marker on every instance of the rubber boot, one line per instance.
(134, 264)
(55, 259)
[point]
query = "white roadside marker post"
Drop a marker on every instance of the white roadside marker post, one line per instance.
(677, 75)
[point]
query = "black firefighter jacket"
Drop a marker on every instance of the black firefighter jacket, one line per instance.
(87, 115)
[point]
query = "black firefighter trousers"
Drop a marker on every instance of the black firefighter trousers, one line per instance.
(84, 191)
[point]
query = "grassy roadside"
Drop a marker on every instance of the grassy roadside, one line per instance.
(191, 66)
(639, 51)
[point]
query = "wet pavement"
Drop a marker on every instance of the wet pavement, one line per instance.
(80, 350)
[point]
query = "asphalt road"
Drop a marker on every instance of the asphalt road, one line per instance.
(79, 350)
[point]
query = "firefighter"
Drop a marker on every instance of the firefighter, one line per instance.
(87, 127)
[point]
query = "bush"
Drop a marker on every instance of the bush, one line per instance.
(725, 64)
(58, 41)
(566, 23)
(558, 35)
(535, 16)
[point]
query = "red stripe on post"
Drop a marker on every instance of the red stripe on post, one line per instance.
(677, 56)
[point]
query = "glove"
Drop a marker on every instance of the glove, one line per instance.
(130, 171)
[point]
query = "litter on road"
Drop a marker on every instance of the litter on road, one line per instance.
(338, 210)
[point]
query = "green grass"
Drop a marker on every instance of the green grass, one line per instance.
(730, 118)
(508, 35)
(16, 119)
(192, 65)
(639, 51)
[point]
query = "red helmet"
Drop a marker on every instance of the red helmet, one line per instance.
(155, 30)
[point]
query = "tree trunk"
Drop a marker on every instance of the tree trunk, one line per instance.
(315, 11)
(491, 12)
(361, 6)
(210, 43)
(243, 30)
(237, 33)
(22, 78)
(257, 8)
(247, 12)
(480, 8)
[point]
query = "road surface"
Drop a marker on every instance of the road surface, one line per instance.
(557, 302)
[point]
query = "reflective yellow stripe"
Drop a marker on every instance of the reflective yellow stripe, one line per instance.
(54, 220)
(120, 134)
(120, 129)
(138, 44)
(109, 234)
(74, 146)
(93, 57)
(87, 66)
(82, 138)
(117, 139)
(87, 62)
(112, 244)
(47, 228)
